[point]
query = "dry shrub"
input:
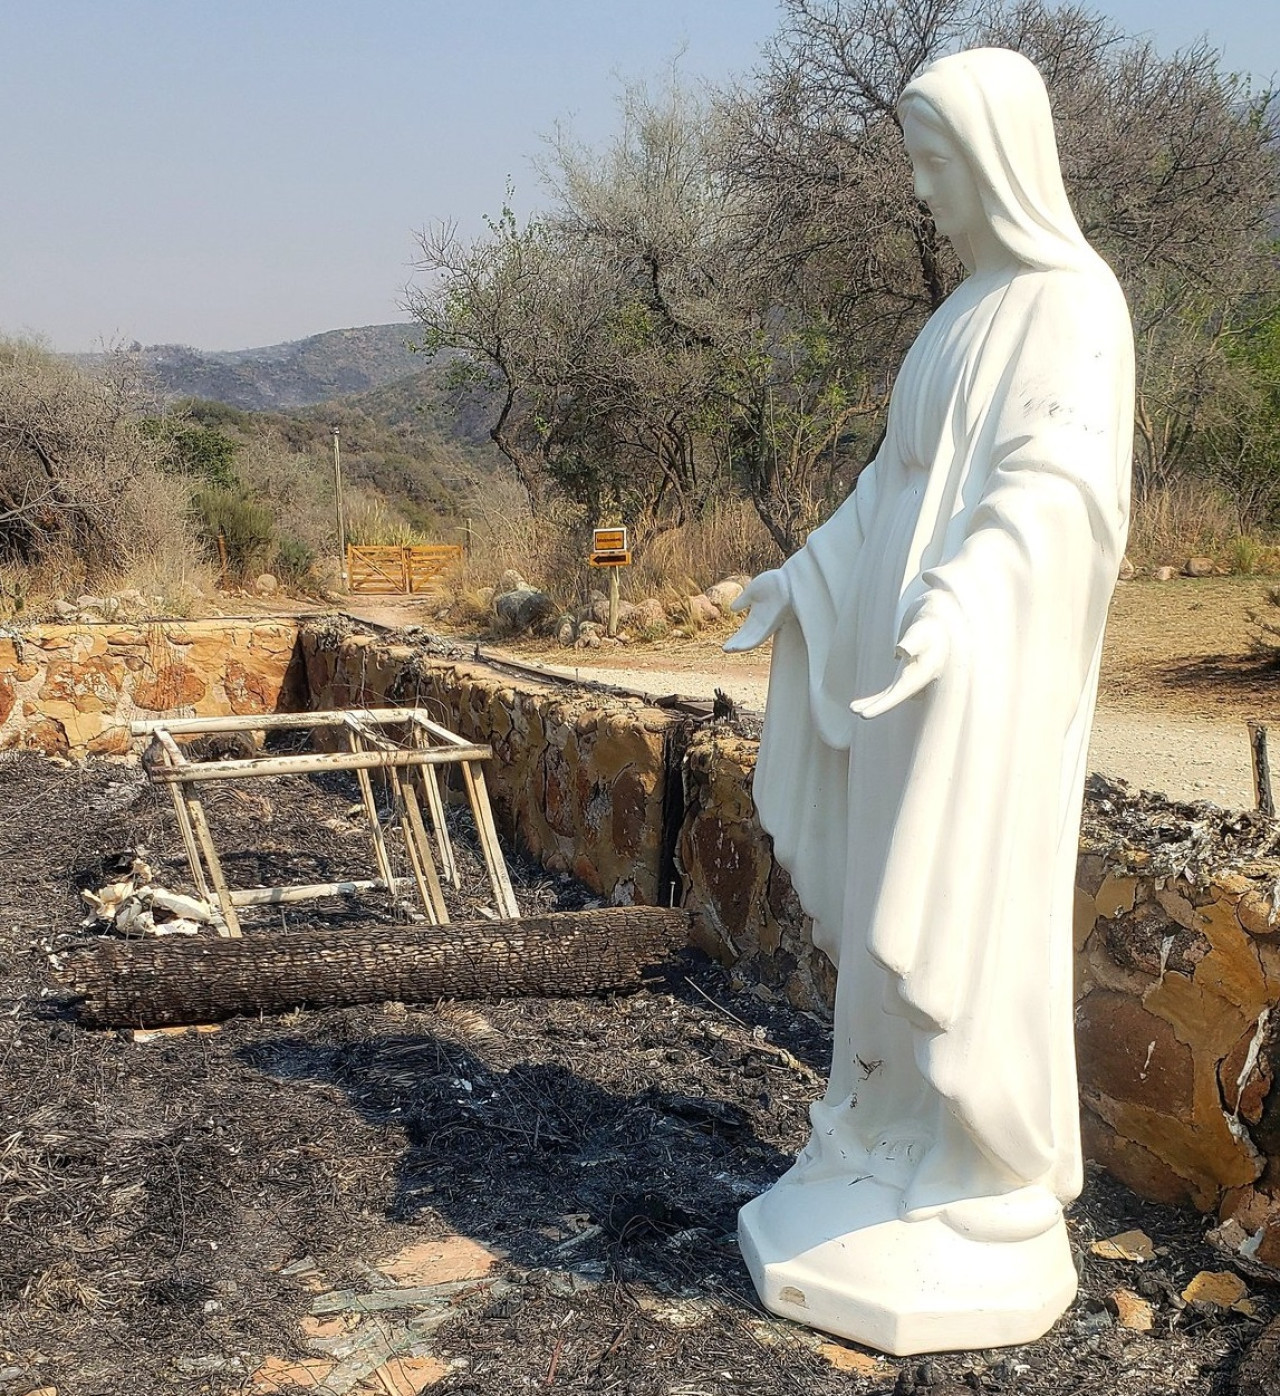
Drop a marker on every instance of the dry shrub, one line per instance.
(1248, 556)
(295, 486)
(1186, 519)
(729, 540)
(549, 551)
(84, 493)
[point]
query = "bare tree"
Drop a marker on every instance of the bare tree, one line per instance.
(719, 298)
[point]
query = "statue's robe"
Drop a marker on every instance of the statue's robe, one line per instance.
(935, 846)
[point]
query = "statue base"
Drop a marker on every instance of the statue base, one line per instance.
(835, 1254)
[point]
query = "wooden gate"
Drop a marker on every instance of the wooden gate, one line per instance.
(415, 570)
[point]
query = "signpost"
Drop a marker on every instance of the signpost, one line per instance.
(609, 549)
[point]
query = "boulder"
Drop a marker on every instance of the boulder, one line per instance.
(511, 580)
(649, 618)
(1127, 570)
(566, 631)
(596, 609)
(702, 610)
(588, 636)
(1198, 567)
(523, 609)
(265, 584)
(724, 594)
(1164, 574)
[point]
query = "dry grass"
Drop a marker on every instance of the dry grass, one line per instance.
(728, 541)
(371, 522)
(550, 551)
(1189, 519)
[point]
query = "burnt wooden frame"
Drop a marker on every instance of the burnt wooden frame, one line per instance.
(412, 771)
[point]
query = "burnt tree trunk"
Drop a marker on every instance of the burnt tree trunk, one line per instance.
(162, 984)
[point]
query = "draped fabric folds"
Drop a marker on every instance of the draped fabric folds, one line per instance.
(935, 845)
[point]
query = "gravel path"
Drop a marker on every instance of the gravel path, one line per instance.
(1185, 758)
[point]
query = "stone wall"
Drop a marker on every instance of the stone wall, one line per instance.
(72, 690)
(579, 782)
(1178, 1034)
(1178, 973)
(750, 915)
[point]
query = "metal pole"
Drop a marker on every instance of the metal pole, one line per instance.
(337, 497)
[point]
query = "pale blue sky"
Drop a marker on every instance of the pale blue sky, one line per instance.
(226, 173)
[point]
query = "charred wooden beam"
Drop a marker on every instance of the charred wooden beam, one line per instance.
(145, 984)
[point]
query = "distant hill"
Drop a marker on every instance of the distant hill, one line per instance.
(284, 377)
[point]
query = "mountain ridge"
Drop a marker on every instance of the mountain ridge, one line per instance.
(287, 376)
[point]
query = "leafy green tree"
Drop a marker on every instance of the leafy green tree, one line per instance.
(203, 453)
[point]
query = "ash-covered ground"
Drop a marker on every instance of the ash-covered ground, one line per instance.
(171, 1210)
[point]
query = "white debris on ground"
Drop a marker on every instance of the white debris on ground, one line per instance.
(135, 906)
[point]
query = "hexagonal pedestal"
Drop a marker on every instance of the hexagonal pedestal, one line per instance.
(836, 1255)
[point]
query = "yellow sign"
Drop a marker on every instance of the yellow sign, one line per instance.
(610, 559)
(609, 540)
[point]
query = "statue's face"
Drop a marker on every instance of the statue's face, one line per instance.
(942, 179)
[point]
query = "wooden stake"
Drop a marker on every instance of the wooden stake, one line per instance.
(415, 836)
(200, 825)
(380, 853)
(430, 785)
(503, 895)
(308, 762)
(305, 892)
(1263, 799)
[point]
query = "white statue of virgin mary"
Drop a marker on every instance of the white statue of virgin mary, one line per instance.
(935, 663)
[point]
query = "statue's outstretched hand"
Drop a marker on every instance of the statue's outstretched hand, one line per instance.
(769, 599)
(921, 653)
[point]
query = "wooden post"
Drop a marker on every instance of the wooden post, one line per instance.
(1263, 799)
(201, 827)
(371, 813)
(430, 785)
(415, 837)
(613, 602)
(503, 895)
(337, 498)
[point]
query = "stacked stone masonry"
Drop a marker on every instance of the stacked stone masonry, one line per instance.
(578, 783)
(72, 690)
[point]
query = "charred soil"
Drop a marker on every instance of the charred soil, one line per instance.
(171, 1210)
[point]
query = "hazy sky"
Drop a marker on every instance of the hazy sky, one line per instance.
(226, 173)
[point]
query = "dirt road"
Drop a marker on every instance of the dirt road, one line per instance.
(1185, 757)
(1180, 676)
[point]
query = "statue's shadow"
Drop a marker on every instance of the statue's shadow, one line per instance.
(556, 1171)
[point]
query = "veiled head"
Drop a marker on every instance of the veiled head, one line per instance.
(991, 104)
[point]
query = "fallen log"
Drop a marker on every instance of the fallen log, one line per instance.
(149, 984)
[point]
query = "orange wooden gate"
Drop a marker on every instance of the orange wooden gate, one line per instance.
(416, 570)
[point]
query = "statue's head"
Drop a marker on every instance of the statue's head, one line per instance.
(981, 137)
